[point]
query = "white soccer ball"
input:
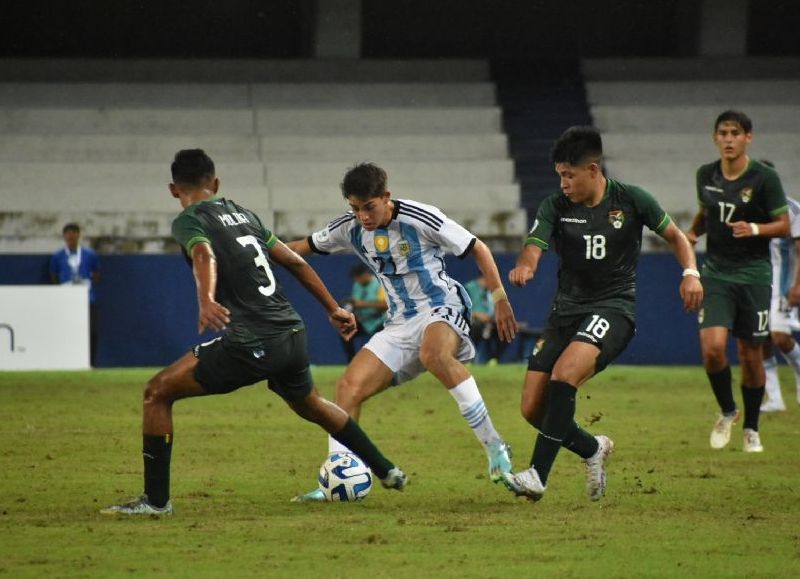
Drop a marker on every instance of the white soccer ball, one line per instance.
(344, 477)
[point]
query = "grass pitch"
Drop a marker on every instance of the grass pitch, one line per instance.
(71, 444)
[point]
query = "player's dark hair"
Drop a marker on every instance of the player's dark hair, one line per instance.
(577, 145)
(738, 117)
(365, 181)
(192, 167)
(71, 227)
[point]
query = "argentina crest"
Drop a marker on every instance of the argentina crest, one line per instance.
(404, 247)
(381, 242)
(616, 218)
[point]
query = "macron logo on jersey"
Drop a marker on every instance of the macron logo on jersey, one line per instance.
(229, 220)
(572, 220)
(714, 189)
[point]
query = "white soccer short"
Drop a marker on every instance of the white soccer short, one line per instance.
(397, 345)
(782, 317)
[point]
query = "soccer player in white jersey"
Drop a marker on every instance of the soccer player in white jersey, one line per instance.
(783, 320)
(427, 328)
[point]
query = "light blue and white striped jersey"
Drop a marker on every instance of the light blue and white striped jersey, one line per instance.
(407, 256)
(783, 254)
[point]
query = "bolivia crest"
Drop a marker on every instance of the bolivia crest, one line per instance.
(616, 218)
(747, 194)
(381, 243)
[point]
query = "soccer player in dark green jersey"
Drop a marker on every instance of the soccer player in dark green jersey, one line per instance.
(263, 337)
(742, 206)
(596, 225)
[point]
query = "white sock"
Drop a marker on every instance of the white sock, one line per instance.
(470, 404)
(336, 446)
(773, 385)
(793, 357)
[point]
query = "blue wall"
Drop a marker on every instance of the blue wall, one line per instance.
(147, 307)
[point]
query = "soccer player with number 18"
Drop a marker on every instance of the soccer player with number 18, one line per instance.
(596, 225)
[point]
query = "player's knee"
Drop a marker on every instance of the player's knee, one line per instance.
(714, 357)
(349, 393)
(156, 391)
(433, 358)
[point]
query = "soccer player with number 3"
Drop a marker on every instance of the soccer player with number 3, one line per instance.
(596, 225)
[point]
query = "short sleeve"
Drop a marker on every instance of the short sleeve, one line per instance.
(334, 237)
(453, 237)
(653, 216)
(542, 229)
(774, 197)
(270, 239)
(188, 231)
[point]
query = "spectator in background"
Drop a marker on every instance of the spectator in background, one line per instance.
(77, 264)
(483, 329)
(367, 301)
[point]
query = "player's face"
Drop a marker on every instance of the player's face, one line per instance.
(373, 212)
(577, 181)
(71, 238)
(731, 140)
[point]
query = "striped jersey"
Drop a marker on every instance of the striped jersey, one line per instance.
(783, 255)
(407, 256)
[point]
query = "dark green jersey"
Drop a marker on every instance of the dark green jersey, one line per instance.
(756, 197)
(598, 246)
(245, 282)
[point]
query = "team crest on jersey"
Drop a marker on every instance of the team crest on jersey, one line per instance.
(538, 347)
(404, 247)
(381, 242)
(747, 194)
(616, 218)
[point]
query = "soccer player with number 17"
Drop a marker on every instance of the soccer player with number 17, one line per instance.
(596, 225)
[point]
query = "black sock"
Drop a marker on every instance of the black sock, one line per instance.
(357, 440)
(157, 451)
(580, 442)
(752, 405)
(555, 426)
(723, 391)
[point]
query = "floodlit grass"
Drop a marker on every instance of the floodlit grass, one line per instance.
(71, 444)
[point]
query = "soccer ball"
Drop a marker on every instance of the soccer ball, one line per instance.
(344, 477)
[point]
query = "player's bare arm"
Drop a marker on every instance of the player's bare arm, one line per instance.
(698, 227)
(525, 268)
(212, 315)
(342, 320)
(300, 247)
(691, 289)
(778, 227)
(503, 313)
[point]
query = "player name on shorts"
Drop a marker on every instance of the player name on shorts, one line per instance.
(232, 219)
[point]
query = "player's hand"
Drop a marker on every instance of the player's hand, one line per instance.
(741, 229)
(213, 316)
(344, 322)
(793, 297)
(506, 322)
(691, 236)
(520, 275)
(691, 293)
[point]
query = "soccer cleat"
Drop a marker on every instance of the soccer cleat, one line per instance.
(140, 506)
(525, 483)
(499, 454)
(721, 434)
(752, 441)
(773, 406)
(315, 496)
(596, 468)
(395, 479)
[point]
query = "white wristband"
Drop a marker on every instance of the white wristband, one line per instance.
(691, 272)
(754, 228)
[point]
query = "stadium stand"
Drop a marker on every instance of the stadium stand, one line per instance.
(93, 142)
(657, 118)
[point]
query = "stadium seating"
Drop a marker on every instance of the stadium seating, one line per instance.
(92, 141)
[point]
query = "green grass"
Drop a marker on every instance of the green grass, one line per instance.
(71, 444)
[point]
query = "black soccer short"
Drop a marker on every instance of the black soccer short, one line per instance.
(223, 367)
(609, 330)
(742, 308)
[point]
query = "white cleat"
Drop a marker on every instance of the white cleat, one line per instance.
(139, 506)
(395, 479)
(596, 468)
(752, 441)
(773, 406)
(721, 434)
(525, 483)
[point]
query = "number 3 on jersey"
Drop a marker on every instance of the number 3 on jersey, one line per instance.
(595, 246)
(260, 261)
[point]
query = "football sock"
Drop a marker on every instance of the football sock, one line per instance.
(156, 450)
(472, 408)
(793, 357)
(752, 405)
(558, 420)
(580, 442)
(773, 386)
(356, 439)
(723, 391)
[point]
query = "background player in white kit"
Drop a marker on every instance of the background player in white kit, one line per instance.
(427, 328)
